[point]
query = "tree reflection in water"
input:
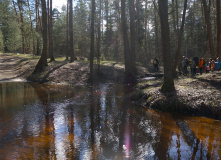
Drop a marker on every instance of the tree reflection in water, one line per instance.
(97, 122)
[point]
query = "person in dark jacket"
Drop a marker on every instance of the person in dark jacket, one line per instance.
(155, 64)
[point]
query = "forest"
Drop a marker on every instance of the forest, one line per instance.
(132, 32)
(110, 79)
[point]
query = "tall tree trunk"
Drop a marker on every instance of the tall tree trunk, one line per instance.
(91, 77)
(156, 33)
(67, 32)
(177, 17)
(99, 39)
(168, 84)
(16, 13)
(138, 40)
(180, 37)
(175, 38)
(107, 29)
(37, 26)
(132, 41)
(193, 42)
(43, 59)
(209, 29)
(102, 22)
(218, 27)
(20, 7)
(71, 32)
(125, 39)
(32, 31)
(48, 18)
(51, 53)
(145, 23)
(174, 18)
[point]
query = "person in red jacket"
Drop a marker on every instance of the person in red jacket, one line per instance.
(201, 65)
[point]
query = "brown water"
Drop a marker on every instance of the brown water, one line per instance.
(55, 122)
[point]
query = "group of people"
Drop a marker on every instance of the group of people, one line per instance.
(200, 63)
(195, 62)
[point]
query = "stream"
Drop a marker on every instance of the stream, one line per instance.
(39, 121)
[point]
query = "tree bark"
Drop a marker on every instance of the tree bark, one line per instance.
(32, 31)
(156, 33)
(37, 26)
(107, 30)
(43, 59)
(180, 37)
(51, 34)
(168, 84)
(67, 32)
(177, 18)
(126, 41)
(218, 27)
(132, 42)
(99, 39)
(145, 23)
(209, 29)
(48, 18)
(20, 7)
(16, 13)
(71, 32)
(91, 77)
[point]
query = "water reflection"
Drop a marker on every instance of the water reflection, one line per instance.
(98, 122)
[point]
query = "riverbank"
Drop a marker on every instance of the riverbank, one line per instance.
(19, 67)
(199, 95)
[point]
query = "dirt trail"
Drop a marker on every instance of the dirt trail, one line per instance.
(9, 68)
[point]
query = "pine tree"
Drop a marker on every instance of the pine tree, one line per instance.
(168, 83)
(42, 63)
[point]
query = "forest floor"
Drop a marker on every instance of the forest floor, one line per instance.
(19, 67)
(198, 95)
(195, 95)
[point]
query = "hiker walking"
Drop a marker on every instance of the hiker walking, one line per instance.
(155, 64)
